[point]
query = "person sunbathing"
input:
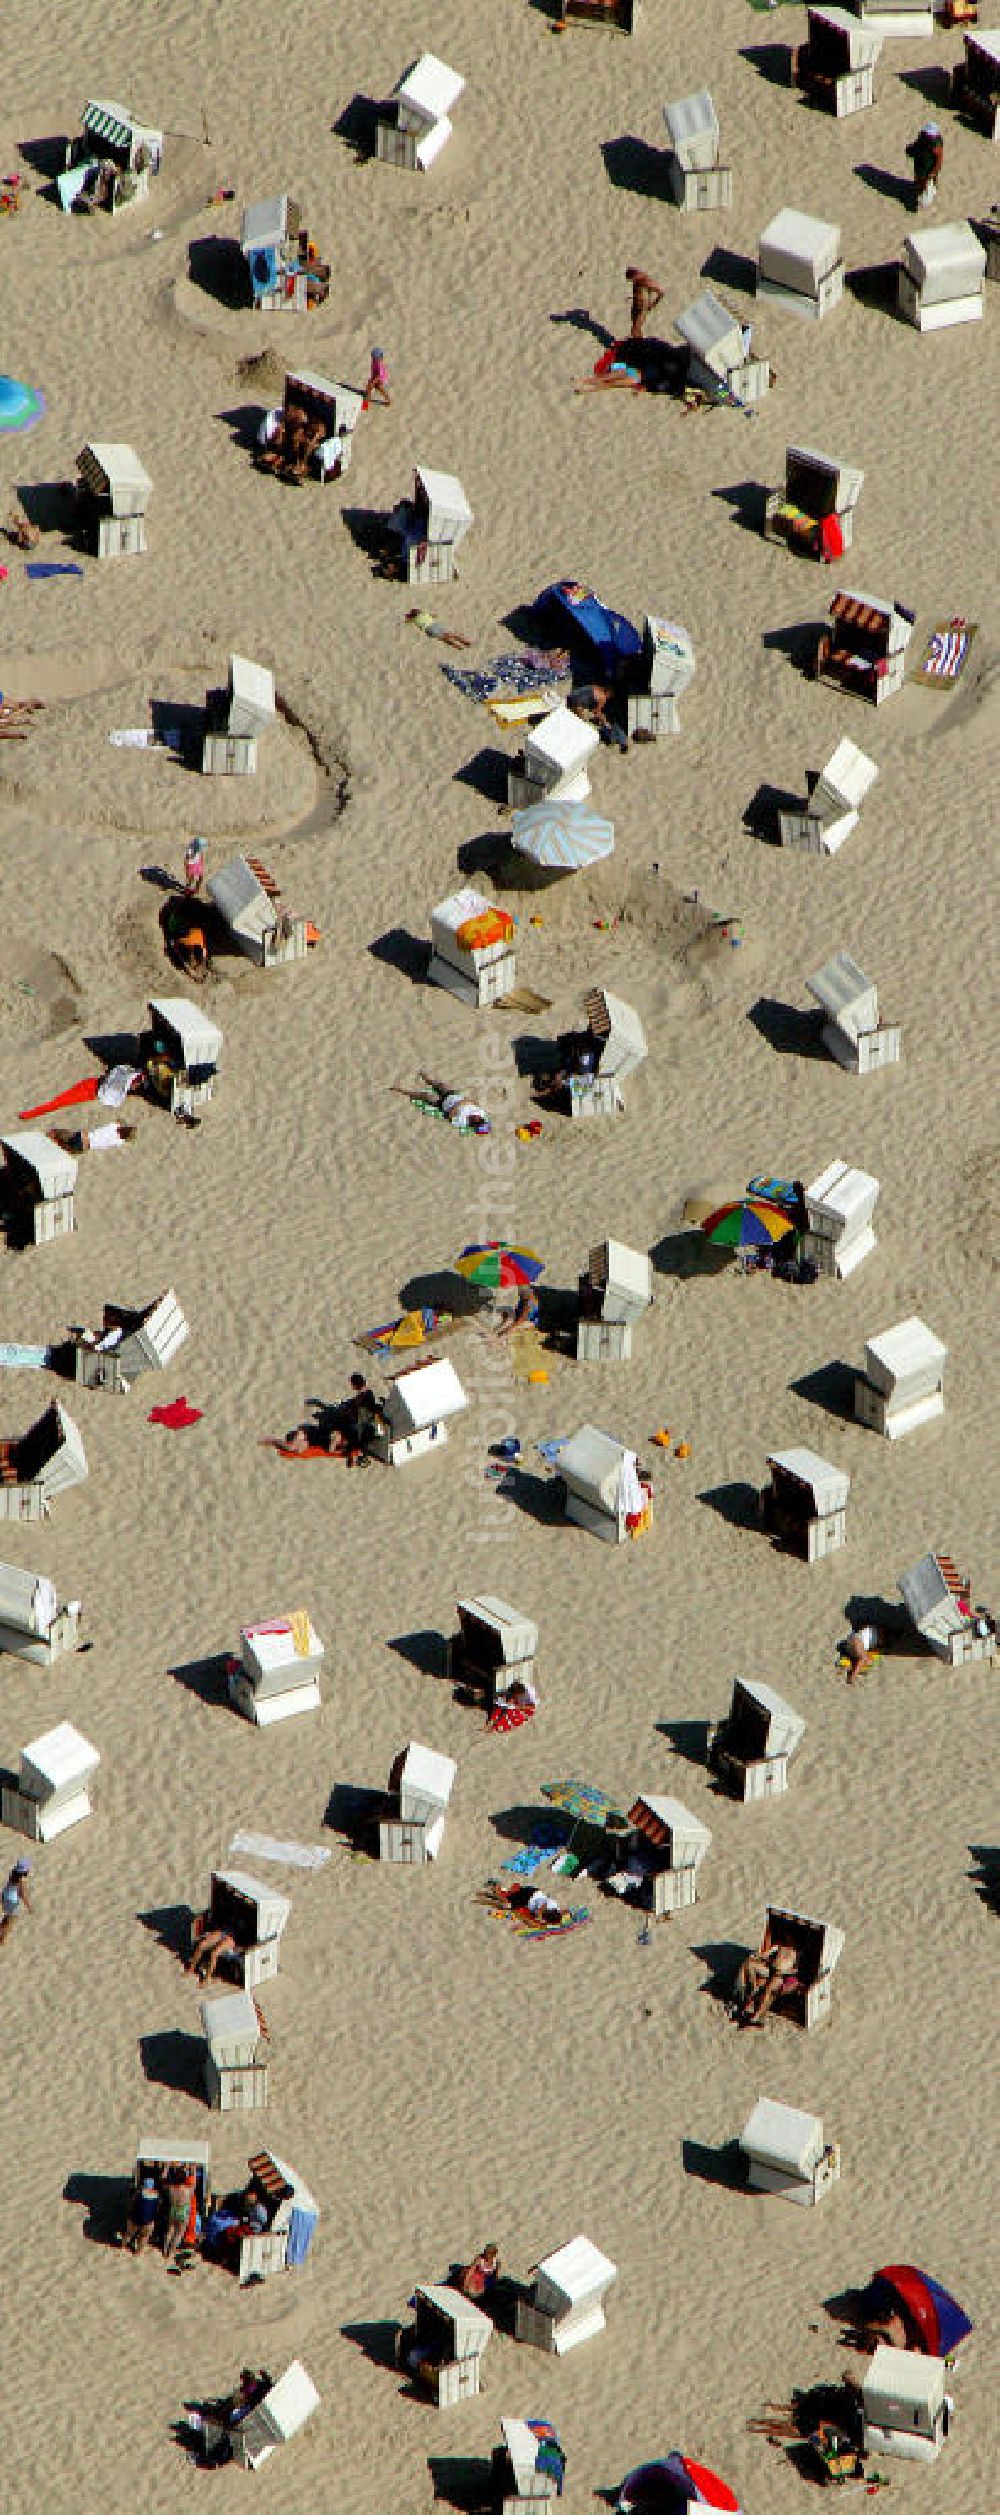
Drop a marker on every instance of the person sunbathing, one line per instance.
(761, 1980)
(441, 1101)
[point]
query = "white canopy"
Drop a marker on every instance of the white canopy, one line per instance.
(346, 404)
(271, 1910)
(681, 1835)
(847, 778)
(902, 2380)
(426, 1781)
(713, 333)
(779, 2135)
(29, 1602)
(471, 2327)
(251, 696)
(562, 742)
(829, 1486)
(930, 1601)
(625, 1278)
(669, 654)
(842, 1197)
(574, 2275)
(265, 223)
(864, 43)
(459, 908)
(199, 1040)
(243, 903)
(617, 1025)
(693, 129)
(904, 1353)
(117, 124)
(428, 90)
(230, 2023)
(54, 1170)
(797, 251)
(290, 2402)
(57, 1760)
(427, 1394)
(516, 1634)
(113, 471)
(449, 514)
(843, 991)
(785, 1728)
(596, 1468)
(845, 478)
(948, 260)
(174, 2152)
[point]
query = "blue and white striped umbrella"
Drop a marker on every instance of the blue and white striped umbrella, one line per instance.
(562, 837)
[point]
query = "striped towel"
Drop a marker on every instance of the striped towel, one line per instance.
(947, 650)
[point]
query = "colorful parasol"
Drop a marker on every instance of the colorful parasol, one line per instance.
(20, 405)
(935, 2316)
(748, 1223)
(494, 1265)
(664, 2488)
(561, 836)
(583, 1801)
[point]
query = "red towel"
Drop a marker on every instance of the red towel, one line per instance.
(513, 1716)
(87, 1090)
(176, 1416)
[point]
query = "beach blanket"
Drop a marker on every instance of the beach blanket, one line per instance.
(52, 567)
(411, 1328)
(285, 1449)
(576, 1919)
(75, 1094)
(142, 738)
(176, 1416)
(294, 1855)
(519, 674)
(510, 1716)
(530, 1857)
(25, 1357)
(947, 652)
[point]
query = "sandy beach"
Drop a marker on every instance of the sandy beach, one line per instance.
(436, 2079)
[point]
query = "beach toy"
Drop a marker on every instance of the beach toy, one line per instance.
(537, 1378)
(536, 921)
(523, 1135)
(683, 1449)
(661, 1439)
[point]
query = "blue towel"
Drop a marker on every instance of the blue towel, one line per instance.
(25, 1357)
(52, 567)
(301, 2230)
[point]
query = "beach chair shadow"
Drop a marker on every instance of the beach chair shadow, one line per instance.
(891, 1619)
(746, 497)
(243, 421)
(356, 125)
(760, 815)
(442, 1290)
(486, 773)
(367, 528)
(51, 505)
(204, 1677)
(831, 1387)
(353, 1810)
(463, 2480)
(525, 620)
(170, 1925)
(404, 952)
(105, 2197)
(790, 1029)
(376, 2341)
(633, 166)
(424, 1651)
(798, 641)
(539, 1497)
(876, 285)
(723, 1958)
(174, 2060)
(772, 62)
(986, 1874)
(183, 717)
(731, 270)
(930, 79)
(687, 1738)
(848, 2307)
(724, 2166)
(534, 1057)
(217, 265)
(737, 1503)
(113, 1047)
(890, 187)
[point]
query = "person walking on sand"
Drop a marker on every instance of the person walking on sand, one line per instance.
(377, 387)
(14, 1896)
(646, 296)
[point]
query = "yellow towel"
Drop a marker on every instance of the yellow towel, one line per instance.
(300, 1633)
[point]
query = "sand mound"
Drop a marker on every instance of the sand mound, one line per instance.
(39, 995)
(70, 771)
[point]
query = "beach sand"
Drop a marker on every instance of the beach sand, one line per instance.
(437, 2081)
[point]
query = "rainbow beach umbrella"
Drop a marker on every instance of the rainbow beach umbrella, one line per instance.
(750, 1222)
(20, 406)
(666, 2488)
(936, 2318)
(494, 1265)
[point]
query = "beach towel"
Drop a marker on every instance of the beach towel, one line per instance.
(142, 738)
(116, 1084)
(947, 651)
(25, 1357)
(549, 1450)
(573, 1920)
(69, 1099)
(176, 1416)
(315, 1449)
(510, 1716)
(52, 567)
(294, 1855)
